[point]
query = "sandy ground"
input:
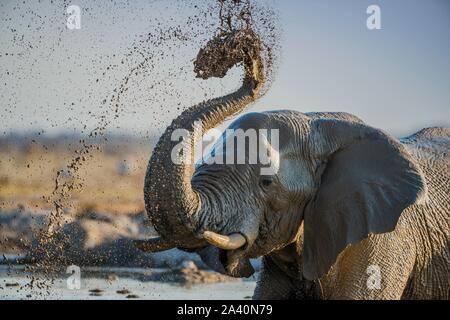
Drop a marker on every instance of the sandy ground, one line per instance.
(119, 283)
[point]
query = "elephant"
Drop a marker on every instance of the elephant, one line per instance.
(350, 213)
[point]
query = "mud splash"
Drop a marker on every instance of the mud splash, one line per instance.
(147, 52)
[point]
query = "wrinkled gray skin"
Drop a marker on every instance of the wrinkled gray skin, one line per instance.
(346, 196)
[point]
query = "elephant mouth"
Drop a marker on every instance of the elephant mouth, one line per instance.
(225, 254)
(228, 262)
(232, 262)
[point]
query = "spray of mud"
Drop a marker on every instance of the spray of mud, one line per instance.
(148, 51)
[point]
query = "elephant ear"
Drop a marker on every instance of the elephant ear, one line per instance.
(368, 179)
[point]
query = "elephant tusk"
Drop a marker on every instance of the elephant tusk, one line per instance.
(231, 242)
(153, 245)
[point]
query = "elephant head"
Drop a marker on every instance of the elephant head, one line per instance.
(339, 177)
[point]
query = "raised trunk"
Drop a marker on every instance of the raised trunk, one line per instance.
(172, 204)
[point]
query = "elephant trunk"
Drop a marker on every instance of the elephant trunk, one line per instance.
(173, 205)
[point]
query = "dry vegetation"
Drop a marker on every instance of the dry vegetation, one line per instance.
(111, 181)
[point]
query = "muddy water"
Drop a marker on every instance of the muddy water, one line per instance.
(118, 284)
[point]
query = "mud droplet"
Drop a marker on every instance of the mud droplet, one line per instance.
(123, 291)
(12, 284)
(96, 291)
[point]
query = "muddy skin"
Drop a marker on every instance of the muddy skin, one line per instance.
(357, 196)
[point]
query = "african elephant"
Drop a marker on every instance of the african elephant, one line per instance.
(351, 212)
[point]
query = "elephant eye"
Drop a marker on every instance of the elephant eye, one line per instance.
(266, 181)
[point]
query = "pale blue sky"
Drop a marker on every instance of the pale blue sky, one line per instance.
(396, 78)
